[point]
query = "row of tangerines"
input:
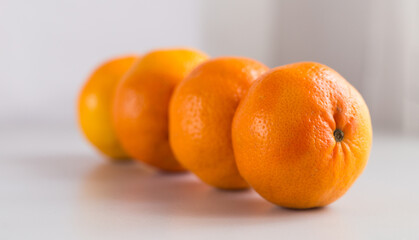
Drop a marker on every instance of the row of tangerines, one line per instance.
(299, 134)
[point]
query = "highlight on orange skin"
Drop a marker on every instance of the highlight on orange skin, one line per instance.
(95, 103)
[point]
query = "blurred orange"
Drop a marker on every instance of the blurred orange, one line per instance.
(141, 105)
(201, 112)
(95, 104)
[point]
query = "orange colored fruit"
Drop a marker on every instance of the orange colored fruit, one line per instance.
(302, 135)
(141, 105)
(95, 104)
(201, 111)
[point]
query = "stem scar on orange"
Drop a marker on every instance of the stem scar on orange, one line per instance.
(302, 135)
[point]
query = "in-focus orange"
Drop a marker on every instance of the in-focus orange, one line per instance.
(201, 112)
(302, 135)
(141, 105)
(95, 104)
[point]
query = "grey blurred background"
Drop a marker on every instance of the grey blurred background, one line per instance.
(48, 48)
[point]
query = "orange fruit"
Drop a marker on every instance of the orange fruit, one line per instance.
(201, 111)
(95, 104)
(141, 105)
(302, 135)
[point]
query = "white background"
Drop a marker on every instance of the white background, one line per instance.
(48, 48)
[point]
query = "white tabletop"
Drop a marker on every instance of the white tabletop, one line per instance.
(53, 185)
